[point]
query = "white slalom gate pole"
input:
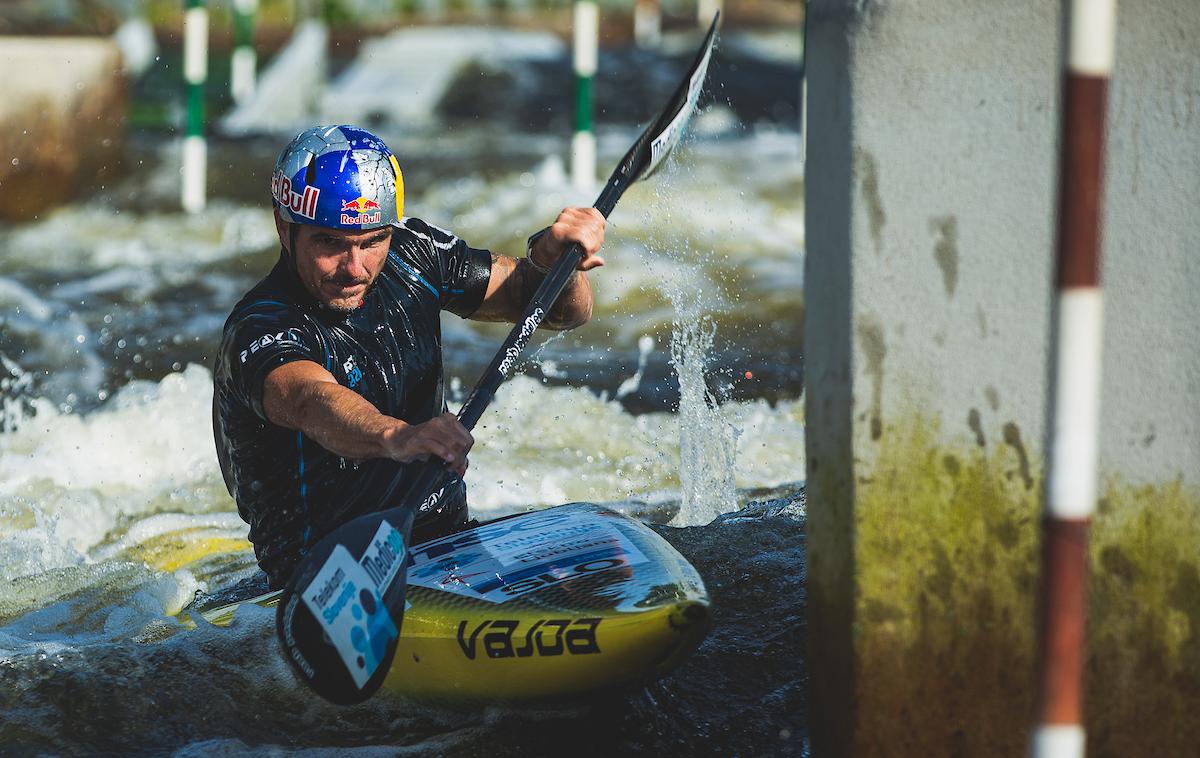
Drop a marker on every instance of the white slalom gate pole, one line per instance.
(195, 73)
(583, 144)
(243, 66)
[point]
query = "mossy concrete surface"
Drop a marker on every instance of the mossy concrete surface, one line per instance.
(943, 594)
(946, 580)
(1143, 674)
(933, 150)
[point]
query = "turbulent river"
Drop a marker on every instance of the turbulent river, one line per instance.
(679, 403)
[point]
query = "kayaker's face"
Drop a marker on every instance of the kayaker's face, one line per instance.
(335, 265)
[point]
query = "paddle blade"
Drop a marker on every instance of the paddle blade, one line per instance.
(657, 141)
(339, 616)
(666, 135)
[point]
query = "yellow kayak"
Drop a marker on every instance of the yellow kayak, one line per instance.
(534, 606)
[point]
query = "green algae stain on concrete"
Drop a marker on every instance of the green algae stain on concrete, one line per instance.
(1143, 687)
(870, 338)
(946, 549)
(946, 556)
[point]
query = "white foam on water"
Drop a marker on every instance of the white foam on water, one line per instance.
(539, 445)
(67, 480)
(78, 490)
(94, 239)
(60, 336)
(416, 66)
(149, 436)
(105, 602)
(753, 231)
(17, 300)
(542, 445)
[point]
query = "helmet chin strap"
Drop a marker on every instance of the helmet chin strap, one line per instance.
(293, 232)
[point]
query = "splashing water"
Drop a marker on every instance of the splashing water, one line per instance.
(630, 385)
(707, 441)
(707, 438)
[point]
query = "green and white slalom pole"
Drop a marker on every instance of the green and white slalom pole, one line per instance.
(583, 145)
(244, 63)
(195, 72)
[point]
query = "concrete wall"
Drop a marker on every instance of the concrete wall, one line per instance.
(930, 204)
(62, 115)
(1151, 399)
(1144, 629)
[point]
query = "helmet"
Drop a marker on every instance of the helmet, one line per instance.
(341, 177)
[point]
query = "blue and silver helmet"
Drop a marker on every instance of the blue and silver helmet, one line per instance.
(340, 177)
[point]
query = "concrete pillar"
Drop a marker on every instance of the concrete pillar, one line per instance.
(62, 120)
(931, 178)
(1143, 673)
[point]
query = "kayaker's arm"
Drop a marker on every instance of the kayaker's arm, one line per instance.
(514, 280)
(302, 395)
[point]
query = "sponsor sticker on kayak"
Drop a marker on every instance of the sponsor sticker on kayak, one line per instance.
(507, 638)
(346, 602)
(510, 558)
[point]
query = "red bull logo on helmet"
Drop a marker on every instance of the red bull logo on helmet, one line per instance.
(300, 204)
(357, 211)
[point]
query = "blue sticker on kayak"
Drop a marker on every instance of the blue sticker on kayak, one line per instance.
(347, 604)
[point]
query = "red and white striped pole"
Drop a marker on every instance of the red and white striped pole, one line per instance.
(1075, 403)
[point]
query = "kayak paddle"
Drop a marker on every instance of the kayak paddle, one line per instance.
(338, 618)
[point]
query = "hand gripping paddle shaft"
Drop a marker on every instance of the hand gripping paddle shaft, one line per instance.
(339, 615)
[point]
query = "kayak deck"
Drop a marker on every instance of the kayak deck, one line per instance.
(538, 605)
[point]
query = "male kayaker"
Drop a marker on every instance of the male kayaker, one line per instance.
(328, 381)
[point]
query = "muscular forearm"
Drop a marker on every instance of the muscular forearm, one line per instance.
(574, 305)
(302, 395)
(345, 423)
(521, 280)
(340, 420)
(514, 282)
